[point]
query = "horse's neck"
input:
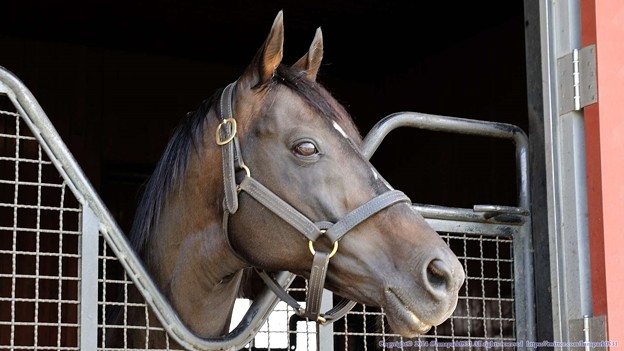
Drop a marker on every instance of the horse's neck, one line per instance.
(192, 261)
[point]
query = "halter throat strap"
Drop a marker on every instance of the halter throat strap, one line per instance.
(232, 162)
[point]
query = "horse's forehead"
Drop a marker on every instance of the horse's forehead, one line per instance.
(282, 101)
(288, 107)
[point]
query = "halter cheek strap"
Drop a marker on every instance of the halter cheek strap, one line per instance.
(227, 138)
(232, 161)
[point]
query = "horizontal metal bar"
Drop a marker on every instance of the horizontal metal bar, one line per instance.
(487, 229)
(40, 300)
(24, 160)
(467, 221)
(40, 277)
(458, 126)
(40, 230)
(517, 218)
(497, 209)
(23, 182)
(13, 136)
(441, 124)
(40, 207)
(8, 113)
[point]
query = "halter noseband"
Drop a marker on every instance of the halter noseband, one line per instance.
(226, 137)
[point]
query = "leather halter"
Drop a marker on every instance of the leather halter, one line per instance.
(226, 137)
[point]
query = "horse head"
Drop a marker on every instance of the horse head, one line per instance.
(301, 145)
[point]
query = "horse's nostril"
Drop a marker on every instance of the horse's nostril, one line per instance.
(438, 275)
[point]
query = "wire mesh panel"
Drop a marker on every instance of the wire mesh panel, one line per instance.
(485, 317)
(484, 313)
(118, 300)
(285, 330)
(39, 244)
(118, 303)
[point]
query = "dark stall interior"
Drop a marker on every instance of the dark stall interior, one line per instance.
(116, 77)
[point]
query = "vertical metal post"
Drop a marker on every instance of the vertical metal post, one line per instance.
(537, 170)
(325, 333)
(565, 172)
(89, 280)
(523, 275)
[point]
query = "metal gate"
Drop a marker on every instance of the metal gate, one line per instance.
(65, 264)
(495, 308)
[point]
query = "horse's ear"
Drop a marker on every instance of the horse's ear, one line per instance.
(268, 57)
(311, 62)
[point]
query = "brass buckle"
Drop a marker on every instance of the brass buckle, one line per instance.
(230, 120)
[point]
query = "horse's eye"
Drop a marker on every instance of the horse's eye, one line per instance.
(305, 149)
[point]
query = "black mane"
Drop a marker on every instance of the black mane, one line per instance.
(169, 172)
(172, 166)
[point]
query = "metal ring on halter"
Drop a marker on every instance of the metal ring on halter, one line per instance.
(246, 170)
(331, 254)
(248, 173)
(218, 133)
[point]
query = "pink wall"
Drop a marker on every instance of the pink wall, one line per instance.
(603, 25)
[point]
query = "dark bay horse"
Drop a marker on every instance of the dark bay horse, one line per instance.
(302, 169)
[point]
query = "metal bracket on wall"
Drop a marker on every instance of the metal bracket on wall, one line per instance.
(576, 74)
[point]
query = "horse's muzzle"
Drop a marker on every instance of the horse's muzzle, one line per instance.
(412, 313)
